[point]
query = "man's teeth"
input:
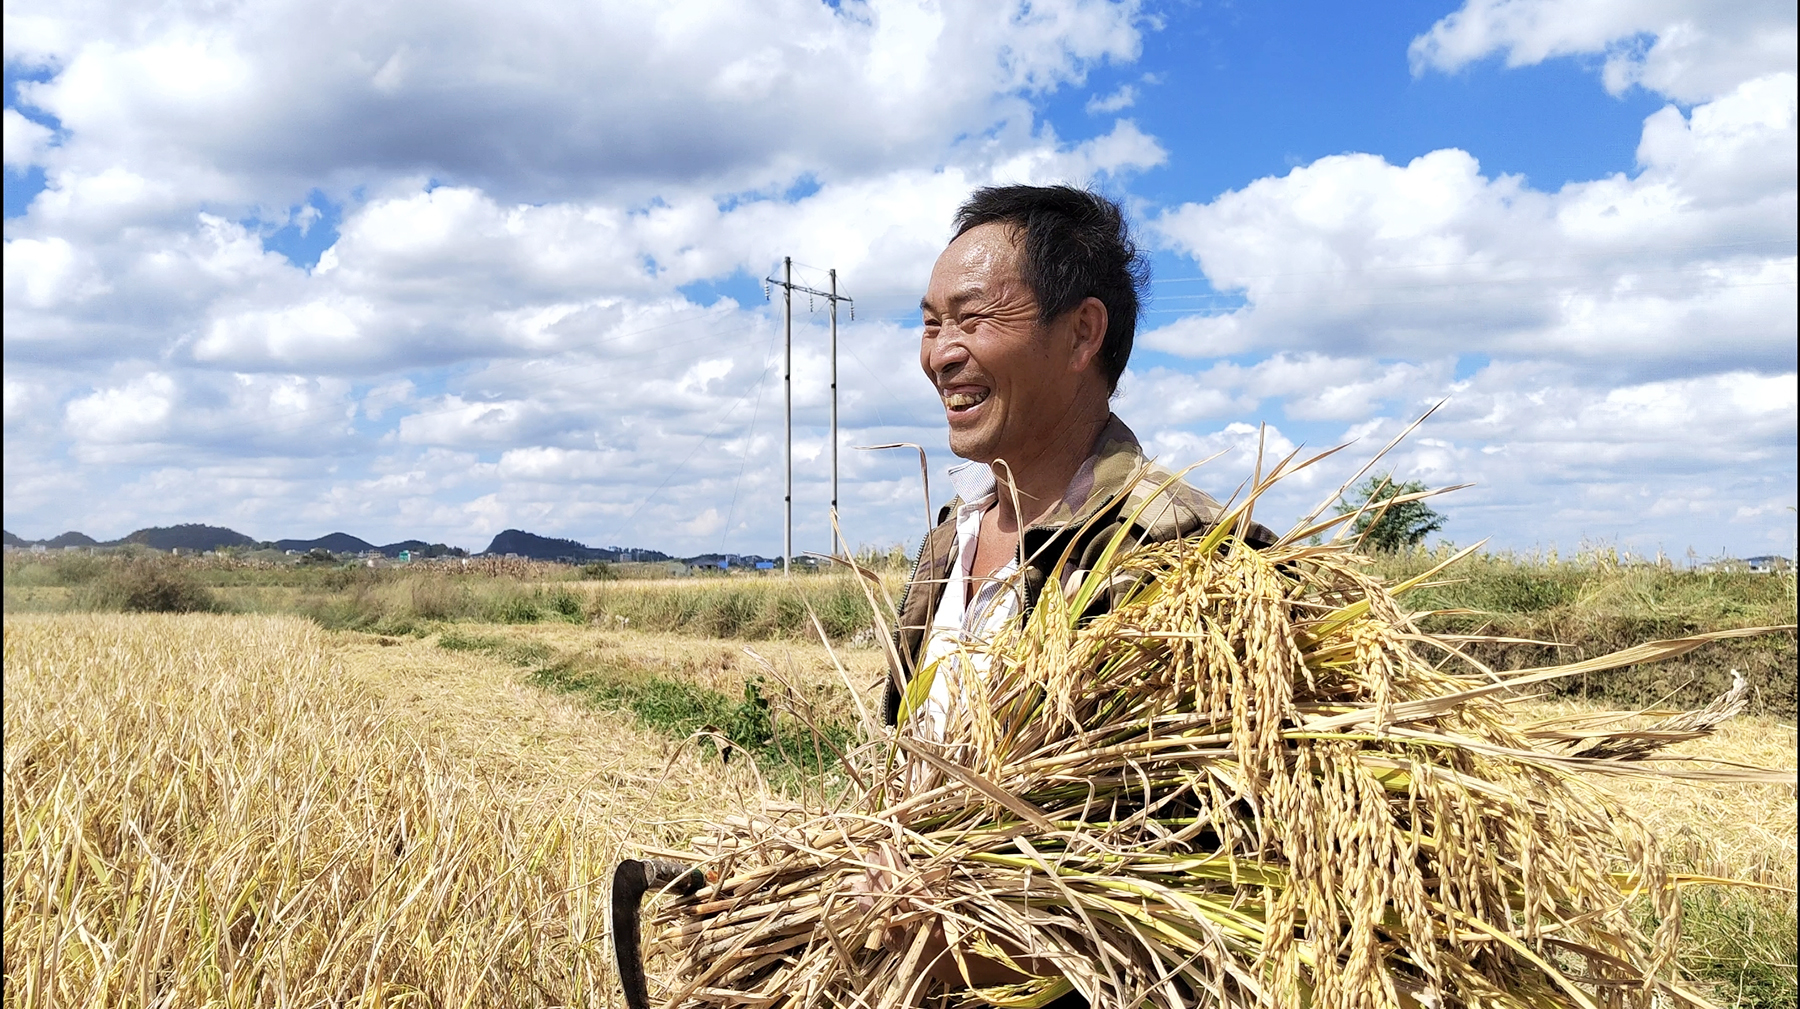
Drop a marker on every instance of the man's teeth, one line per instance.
(961, 400)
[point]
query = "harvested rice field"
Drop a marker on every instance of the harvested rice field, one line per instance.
(244, 810)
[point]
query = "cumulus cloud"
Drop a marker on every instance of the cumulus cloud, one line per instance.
(25, 140)
(1554, 462)
(535, 302)
(161, 414)
(1123, 98)
(1353, 254)
(1689, 50)
(551, 100)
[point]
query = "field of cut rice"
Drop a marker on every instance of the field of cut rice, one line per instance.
(251, 810)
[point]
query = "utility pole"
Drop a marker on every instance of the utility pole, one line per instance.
(788, 287)
(787, 384)
(834, 434)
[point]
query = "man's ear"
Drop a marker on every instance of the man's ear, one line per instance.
(1087, 323)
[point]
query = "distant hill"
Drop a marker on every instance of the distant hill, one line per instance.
(420, 548)
(191, 536)
(199, 538)
(68, 539)
(543, 548)
(728, 560)
(337, 543)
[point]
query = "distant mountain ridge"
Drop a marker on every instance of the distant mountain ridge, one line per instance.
(549, 548)
(198, 538)
(188, 536)
(337, 543)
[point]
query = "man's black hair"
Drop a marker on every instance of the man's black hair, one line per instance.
(1075, 245)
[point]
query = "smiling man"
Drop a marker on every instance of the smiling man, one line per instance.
(1028, 324)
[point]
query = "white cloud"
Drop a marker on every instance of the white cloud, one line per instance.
(25, 140)
(44, 273)
(1122, 98)
(136, 412)
(1656, 465)
(504, 332)
(1698, 50)
(162, 415)
(1352, 254)
(311, 333)
(553, 100)
(455, 422)
(379, 400)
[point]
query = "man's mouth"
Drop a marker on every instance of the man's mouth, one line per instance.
(960, 400)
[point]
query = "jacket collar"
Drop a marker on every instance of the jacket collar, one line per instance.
(1115, 470)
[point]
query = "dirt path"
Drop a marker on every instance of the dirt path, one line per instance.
(483, 709)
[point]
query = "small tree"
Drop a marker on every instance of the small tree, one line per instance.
(1390, 528)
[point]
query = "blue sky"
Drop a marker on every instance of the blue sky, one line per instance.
(432, 271)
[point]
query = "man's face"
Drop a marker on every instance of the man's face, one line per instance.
(1005, 381)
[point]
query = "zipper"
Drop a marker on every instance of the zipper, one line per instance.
(906, 590)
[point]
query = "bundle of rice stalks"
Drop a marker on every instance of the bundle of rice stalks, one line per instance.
(1254, 781)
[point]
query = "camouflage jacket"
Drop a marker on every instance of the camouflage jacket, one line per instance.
(1112, 484)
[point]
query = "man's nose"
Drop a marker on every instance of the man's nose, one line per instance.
(946, 354)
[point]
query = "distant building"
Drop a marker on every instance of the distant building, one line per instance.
(1769, 564)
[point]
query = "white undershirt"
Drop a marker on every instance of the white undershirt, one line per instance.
(962, 622)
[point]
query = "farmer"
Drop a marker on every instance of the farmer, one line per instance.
(1028, 323)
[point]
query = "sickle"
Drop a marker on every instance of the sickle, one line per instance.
(630, 882)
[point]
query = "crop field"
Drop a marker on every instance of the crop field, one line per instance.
(400, 802)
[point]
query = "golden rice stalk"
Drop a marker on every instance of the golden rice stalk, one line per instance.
(1244, 785)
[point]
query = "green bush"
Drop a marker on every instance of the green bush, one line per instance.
(438, 598)
(146, 585)
(1522, 591)
(731, 614)
(517, 608)
(565, 604)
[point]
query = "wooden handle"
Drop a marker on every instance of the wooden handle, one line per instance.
(631, 880)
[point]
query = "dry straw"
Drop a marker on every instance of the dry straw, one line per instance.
(207, 811)
(1253, 782)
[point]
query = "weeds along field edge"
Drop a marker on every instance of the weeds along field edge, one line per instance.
(207, 810)
(1587, 605)
(400, 600)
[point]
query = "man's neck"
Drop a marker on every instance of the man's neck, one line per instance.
(1042, 478)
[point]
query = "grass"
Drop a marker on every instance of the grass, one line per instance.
(806, 745)
(1593, 604)
(238, 809)
(414, 600)
(1741, 945)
